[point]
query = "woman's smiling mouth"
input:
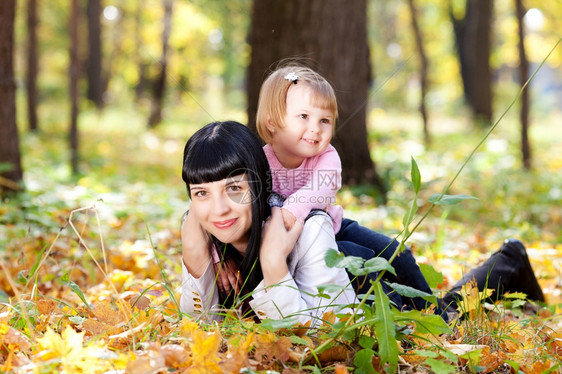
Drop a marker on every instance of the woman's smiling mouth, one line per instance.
(225, 224)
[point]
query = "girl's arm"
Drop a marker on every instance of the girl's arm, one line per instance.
(320, 191)
(296, 292)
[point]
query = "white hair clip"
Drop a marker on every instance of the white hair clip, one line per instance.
(292, 77)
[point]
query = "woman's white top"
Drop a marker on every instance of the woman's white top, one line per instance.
(296, 295)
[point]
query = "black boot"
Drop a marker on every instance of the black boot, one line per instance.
(507, 270)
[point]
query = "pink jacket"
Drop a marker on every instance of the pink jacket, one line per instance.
(312, 185)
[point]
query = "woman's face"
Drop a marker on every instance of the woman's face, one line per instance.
(224, 209)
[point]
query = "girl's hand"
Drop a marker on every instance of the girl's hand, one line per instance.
(228, 276)
(289, 218)
(196, 246)
(277, 244)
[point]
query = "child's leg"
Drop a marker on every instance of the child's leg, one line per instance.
(371, 244)
(507, 270)
(361, 284)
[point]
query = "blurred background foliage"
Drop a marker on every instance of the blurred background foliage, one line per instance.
(132, 173)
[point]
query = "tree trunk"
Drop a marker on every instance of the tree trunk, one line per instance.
(331, 37)
(74, 73)
(160, 84)
(32, 64)
(95, 93)
(523, 76)
(423, 70)
(141, 65)
(472, 36)
(9, 140)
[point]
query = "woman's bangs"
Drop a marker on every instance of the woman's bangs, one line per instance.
(205, 167)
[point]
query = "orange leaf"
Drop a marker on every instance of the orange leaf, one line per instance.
(12, 337)
(269, 348)
(175, 355)
(341, 369)
(95, 327)
(335, 353)
(147, 362)
(105, 313)
(45, 306)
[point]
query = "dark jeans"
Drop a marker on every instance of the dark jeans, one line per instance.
(359, 241)
(507, 270)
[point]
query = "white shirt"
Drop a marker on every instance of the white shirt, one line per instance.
(295, 295)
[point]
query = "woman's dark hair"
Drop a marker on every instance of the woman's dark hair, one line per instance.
(225, 149)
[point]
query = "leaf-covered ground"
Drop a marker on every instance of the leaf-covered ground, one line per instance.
(90, 265)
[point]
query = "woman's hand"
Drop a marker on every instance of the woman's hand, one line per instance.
(196, 246)
(277, 244)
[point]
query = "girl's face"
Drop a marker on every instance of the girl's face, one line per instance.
(307, 129)
(224, 209)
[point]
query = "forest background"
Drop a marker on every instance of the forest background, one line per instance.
(108, 92)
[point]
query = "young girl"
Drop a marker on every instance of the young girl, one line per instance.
(296, 116)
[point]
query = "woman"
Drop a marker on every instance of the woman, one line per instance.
(227, 178)
(279, 270)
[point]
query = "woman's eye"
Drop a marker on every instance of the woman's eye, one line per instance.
(201, 194)
(239, 194)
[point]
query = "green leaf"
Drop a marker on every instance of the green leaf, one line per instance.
(440, 366)
(432, 276)
(416, 176)
(275, 324)
(298, 340)
(473, 356)
(4, 297)
(424, 353)
(374, 265)
(336, 259)
(515, 295)
(425, 323)
(409, 217)
(363, 361)
(330, 288)
(449, 199)
(513, 364)
(77, 320)
(366, 341)
(65, 279)
(413, 292)
(384, 328)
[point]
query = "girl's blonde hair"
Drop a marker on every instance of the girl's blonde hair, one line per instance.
(272, 102)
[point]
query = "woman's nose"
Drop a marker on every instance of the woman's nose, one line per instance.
(220, 205)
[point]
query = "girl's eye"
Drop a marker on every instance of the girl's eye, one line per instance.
(234, 188)
(303, 116)
(325, 121)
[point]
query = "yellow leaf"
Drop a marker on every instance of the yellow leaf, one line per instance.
(53, 345)
(204, 348)
(471, 298)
